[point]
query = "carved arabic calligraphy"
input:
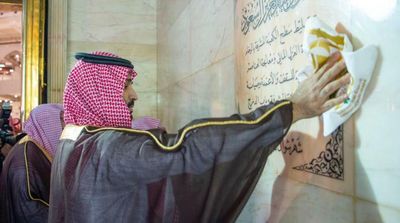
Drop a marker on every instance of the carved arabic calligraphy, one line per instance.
(290, 146)
(274, 78)
(255, 101)
(277, 33)
(271, 53)
(258, 12)
(329, 163)
(286, 54)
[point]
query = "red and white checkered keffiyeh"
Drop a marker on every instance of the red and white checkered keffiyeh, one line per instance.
(44, 126)
(93, 95)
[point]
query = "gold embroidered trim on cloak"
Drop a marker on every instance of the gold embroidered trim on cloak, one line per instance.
(25, 140)
(187, 129)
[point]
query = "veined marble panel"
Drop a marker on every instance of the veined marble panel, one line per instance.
(132, 51)
(377, 155)
(214, 90)
(208, 93)
(377, 122)
(174, 52)
(367, 212)
(282, 199)
(211, 29)
(119, 21)
(167, 14)
(175, 103)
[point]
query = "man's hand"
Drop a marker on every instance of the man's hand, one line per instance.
(312, 96)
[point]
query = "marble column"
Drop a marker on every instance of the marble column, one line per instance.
(56, 50)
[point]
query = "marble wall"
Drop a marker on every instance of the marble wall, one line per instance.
(195, 76)
(374, 197)
(377, 166)
(126, 28)
(196, 72)
(183, 51)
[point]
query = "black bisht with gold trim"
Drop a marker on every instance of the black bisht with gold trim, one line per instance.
(205, 173)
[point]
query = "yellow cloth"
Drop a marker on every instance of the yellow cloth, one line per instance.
(321, 41)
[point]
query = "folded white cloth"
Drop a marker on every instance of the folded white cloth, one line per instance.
(320, 41)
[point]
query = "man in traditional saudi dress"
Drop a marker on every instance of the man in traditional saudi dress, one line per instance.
(25, 178)
(106, 172)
